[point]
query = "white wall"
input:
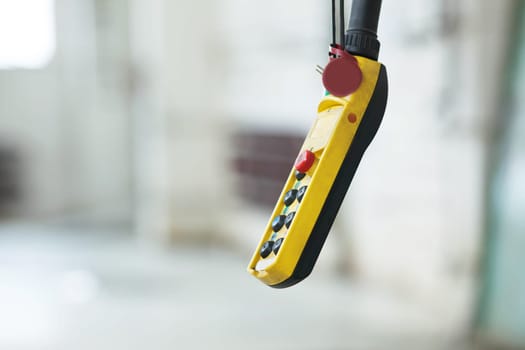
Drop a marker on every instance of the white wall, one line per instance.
(204, 66)
(70, 118)
(29, 121)
(93, 78)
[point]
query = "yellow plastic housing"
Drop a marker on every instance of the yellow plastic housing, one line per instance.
(330, 139)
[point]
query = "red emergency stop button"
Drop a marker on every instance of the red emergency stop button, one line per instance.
(305, 161)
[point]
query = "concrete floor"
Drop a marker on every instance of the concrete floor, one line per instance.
(65, 288)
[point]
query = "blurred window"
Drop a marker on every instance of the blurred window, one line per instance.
(27, 33)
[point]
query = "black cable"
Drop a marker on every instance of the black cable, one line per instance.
(361, 36)
(342, 21)
(333, 23)
(365, 15)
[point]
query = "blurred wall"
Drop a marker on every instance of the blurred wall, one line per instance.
(69, 120)
(204, 69)
(415, 211)
(29, 124)
(502, 308)
(94, 80)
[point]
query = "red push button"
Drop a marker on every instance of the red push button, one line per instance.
(305, 161)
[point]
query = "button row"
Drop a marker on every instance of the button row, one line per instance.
(294, 194)
(270, 246)
(303, 163)
(282, 220)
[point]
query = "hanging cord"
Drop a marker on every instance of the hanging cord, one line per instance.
(362, 29)
(333, 24)
(342, 22)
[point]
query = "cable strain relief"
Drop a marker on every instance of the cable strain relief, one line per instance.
(362, 43)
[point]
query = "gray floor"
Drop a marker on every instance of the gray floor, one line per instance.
(98, 289)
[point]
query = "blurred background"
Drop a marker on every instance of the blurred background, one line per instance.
(143, 144)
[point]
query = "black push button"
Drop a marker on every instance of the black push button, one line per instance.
(278, 223)
(289, 219)
(267, 249)
(277, 245)
(299, 175)
(301, 192)
(289, 197)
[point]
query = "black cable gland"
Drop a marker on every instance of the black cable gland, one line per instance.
(361, 36)
(362, 43)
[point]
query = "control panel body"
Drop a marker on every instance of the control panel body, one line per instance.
(318, 182)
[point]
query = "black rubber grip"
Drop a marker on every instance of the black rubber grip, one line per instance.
(361, 36)
(365, 15)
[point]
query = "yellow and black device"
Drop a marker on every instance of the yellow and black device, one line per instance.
(348, 118)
